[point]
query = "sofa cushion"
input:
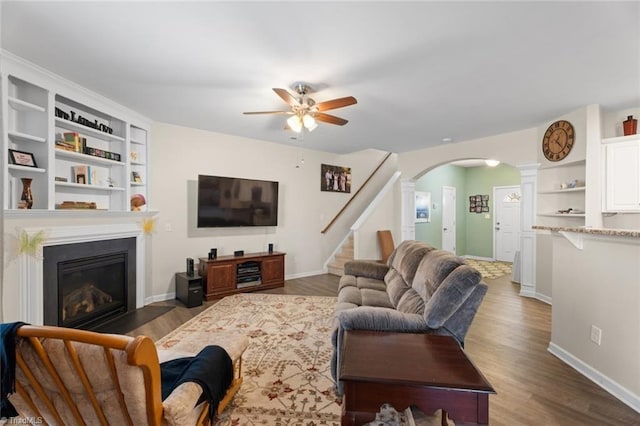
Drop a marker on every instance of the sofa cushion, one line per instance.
(375, 298)
(407, 257)
(434, 267)
(411, 303)
(371, 284)
(450, 295)
(356, 296)
(403, 264)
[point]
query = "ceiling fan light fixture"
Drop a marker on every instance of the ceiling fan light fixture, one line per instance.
(295, 123)
(309, 122)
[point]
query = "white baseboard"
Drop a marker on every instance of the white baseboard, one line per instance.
(486, 259)
(527, 293)
(159, 298)
(611, 386)
(304, 274)
(543, 298)
(172, 295)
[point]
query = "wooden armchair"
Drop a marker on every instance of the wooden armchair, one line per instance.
(67, 377)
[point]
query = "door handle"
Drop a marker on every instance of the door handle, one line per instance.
(445, 229)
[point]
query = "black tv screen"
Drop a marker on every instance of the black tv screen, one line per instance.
(228, 202)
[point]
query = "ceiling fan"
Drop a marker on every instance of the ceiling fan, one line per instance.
(305, 111)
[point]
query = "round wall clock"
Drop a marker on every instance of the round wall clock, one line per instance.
(558, 140)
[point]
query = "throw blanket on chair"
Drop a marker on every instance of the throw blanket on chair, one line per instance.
(211, 368)
(8, 366)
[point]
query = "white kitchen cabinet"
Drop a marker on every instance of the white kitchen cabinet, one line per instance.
(622, 174)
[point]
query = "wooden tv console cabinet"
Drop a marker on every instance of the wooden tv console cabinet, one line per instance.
(227, 275)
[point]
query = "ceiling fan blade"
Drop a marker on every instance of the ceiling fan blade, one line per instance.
(336, 103)
(287, 97)
(267, 112)
(331, 119)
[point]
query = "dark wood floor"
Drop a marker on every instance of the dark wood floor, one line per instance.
(508, 342)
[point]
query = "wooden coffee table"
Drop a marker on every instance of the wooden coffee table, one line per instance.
(403, 369)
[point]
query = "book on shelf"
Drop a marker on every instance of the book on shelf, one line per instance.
(65, 147)
(77, 205)
(82, 174)
(74, 139)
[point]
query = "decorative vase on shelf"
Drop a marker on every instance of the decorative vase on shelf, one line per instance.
(630, 125)
(26, 199)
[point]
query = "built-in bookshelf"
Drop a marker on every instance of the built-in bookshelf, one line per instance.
(561, 194)
(78, 150)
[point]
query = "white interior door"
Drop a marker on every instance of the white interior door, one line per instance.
(506, 205)
(449, 218)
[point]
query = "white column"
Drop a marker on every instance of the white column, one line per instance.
(528, 188)
(408, 200)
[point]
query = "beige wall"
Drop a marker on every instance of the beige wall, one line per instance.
(515, 148)
(599, 285)
(179, 154)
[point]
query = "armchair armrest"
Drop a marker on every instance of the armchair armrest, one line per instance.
(179, 408)
(366, 268)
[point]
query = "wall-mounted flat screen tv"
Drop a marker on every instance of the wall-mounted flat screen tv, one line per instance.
(229, 202)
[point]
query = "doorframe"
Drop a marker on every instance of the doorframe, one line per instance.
(528, 188)
(495, 201)
(455, 213)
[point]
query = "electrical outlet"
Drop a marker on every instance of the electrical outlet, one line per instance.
(168, 227)
(596, 335)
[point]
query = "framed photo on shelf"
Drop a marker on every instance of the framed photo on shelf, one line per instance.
(21, 158)
(135, 177)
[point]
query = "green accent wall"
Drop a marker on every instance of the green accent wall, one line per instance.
(474, 231)
(433, 181)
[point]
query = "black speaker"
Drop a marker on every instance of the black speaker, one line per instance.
(213, 253)
(189, 266)
(270, 247)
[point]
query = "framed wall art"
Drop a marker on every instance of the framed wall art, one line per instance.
(335, 178)
(478, 204)
(423, 207)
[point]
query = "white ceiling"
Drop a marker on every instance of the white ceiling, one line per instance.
(421, 71)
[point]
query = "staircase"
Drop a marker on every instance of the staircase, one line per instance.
(336, 267)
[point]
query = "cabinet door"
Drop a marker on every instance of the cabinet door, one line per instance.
(273, 270)
(221, 277)
(623, 176)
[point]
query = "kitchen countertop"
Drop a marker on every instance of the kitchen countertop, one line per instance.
(593, 231)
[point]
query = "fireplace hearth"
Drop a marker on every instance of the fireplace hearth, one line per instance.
(87, 285)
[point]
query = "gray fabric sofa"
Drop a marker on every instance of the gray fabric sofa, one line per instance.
(419, 290)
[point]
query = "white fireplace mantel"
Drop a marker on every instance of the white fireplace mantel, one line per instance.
(31, 266)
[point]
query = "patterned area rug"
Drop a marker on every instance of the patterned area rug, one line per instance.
(490, 270)
(287, 380)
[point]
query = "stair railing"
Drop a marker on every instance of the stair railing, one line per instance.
(326, 228)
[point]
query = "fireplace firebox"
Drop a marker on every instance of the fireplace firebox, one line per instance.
(87, 285)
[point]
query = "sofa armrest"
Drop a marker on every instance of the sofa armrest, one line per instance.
(366, 268)
(451, 295)
(179, 408)
(380, 319)
(372, 319)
